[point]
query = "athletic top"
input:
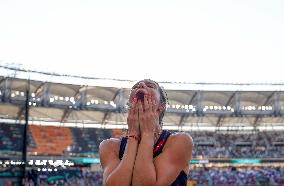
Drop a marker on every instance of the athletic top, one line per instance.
(158, 148)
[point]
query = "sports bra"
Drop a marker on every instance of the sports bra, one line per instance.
(158, 147)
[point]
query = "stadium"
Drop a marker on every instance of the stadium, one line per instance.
(52, 124)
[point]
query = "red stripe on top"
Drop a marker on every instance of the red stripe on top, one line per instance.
(159, 145)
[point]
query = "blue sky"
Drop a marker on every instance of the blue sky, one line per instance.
(192, 41)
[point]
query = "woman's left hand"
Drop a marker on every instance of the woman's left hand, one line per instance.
(149, 116)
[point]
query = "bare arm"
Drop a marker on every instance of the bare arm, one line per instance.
(117, 172)
(144, 166)
(166, 167)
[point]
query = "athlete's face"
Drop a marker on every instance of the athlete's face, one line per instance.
(145, 87)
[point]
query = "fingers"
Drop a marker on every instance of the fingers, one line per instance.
(136, 113)
(133, 106)
(147, 105)
(150, 102)
(154, 105)
(140, 108)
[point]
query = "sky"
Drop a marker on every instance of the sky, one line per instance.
(165, 40)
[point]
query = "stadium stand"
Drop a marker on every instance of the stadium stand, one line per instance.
(70, 177)
(80, 142)
(231, 176)
(207, 144)
(238, 176)
(87, 140)
(51, 140)
(238, 145)
(11, 138)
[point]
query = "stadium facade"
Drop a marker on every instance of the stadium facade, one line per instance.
(56, 99)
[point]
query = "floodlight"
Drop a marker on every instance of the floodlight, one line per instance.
(51, 100)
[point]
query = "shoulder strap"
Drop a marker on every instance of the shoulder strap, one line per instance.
(158, 147)
(123, 143)
(180, 180)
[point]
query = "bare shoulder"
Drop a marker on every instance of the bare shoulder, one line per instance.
(109, 150)
(180, 139)
(109, 145)
(110, 142)
(176, 154)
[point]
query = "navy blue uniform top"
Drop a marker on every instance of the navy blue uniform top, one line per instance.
(158, 148)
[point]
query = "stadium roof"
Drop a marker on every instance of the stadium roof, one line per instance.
(83, 101)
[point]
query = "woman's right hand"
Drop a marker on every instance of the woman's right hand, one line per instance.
(132, 119)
